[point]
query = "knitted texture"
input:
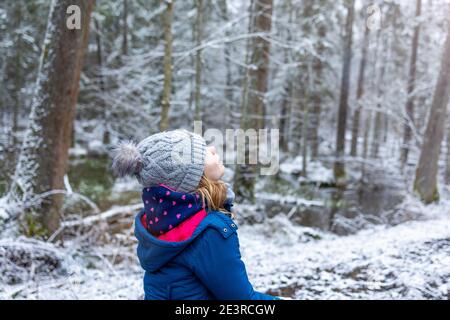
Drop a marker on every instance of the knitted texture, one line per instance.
(165, 209)
(175, 159)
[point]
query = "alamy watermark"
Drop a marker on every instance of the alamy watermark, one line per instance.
(373, 21)
(374, 13)
(232, 144)
(73, 21)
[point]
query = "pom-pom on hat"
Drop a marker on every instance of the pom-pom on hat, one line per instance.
(175, 159)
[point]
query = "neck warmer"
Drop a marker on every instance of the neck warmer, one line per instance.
(165, 209)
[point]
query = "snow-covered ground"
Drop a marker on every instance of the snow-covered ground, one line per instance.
(407, 261)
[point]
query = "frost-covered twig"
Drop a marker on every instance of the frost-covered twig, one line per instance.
(107, 217)
(11, 205)
(104, 216)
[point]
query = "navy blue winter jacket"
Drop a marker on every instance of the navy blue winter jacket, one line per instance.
(206, 266)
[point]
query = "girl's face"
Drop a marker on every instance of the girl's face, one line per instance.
(214, 168)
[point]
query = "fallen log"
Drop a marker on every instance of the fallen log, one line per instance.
(113, 220)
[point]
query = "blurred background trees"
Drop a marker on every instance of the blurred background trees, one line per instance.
(354, 87)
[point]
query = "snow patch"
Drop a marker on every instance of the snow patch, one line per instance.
(77, 152)
(316, 171)
(3, 214)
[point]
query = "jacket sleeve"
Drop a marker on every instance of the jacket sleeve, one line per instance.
(217, 263)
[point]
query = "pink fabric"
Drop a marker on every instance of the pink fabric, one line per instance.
(184, 230)
(163, 185)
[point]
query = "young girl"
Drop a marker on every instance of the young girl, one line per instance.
(187, 240)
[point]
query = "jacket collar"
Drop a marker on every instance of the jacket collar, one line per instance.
(153, 253)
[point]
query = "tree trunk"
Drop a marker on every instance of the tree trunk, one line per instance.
(297, 106)
(98, 40)
(284, 123)
(376, 138)
(167, 87)
(301, 87)
(232, 119)
(339, 165)
(309, 87)
(447, 158)
(11, 98)
(260, 63)
(376, 133)
(198, 59)
(385, 127)
(375, 147)
(43, 159)
(369, 114)
(409, 121)
(246, 79)
(285, 103)
(305, 136)
(366, 142)
(4, 180)
(125, 28)
(254, 108)
(422, 106)
(17, 80)
(317, 95)
(359, 94)
(243, 171)
(425, 183)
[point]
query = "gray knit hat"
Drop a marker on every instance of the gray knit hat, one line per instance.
(173, 158)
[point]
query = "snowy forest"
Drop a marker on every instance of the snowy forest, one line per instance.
(359, 207)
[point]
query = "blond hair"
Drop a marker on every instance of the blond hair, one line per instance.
(213, 194)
